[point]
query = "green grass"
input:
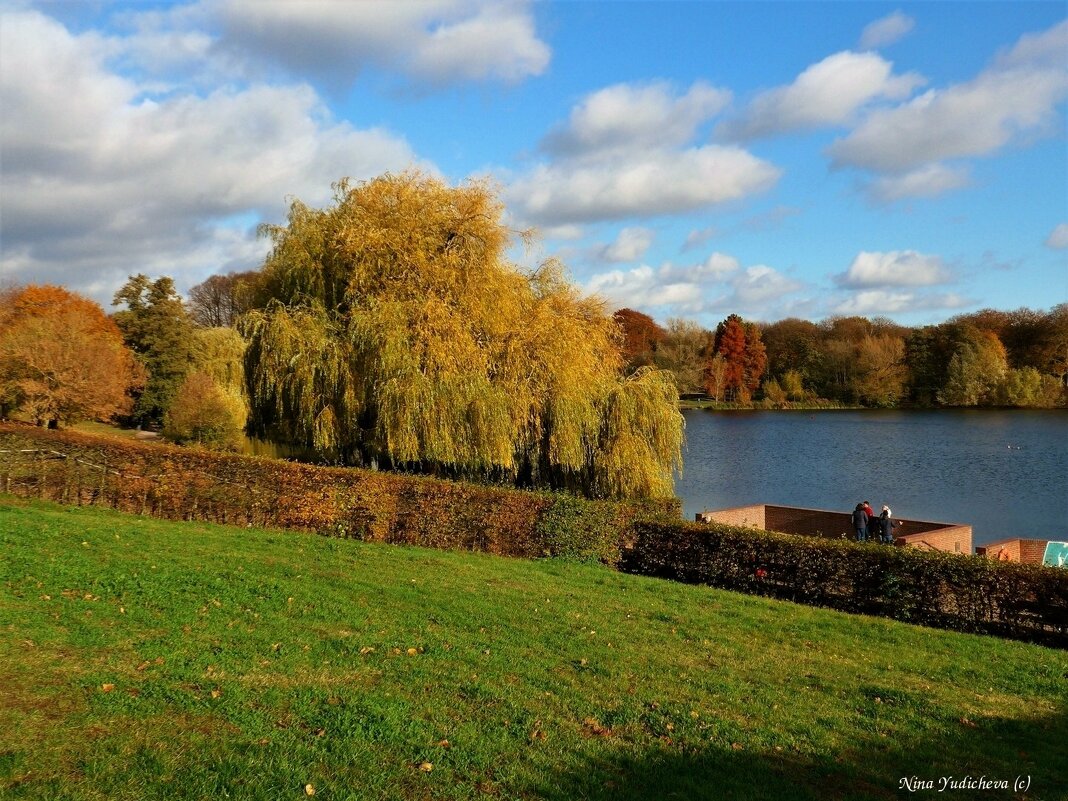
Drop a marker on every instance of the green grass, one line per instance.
(248, 664)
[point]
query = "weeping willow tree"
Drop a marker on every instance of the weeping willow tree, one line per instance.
(393, 331)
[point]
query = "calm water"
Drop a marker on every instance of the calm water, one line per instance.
(1003, 472)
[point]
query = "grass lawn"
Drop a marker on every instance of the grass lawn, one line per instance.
(143, 659)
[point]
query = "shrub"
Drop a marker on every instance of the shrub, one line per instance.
(184, 484)
(203, 413)
(930, 588)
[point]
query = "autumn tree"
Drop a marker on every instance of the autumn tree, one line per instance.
(219, 300)
(730, 346)
(976, 369)
(683, 352)
(203, 413)
(881, 375)
(61, 359)
(398, 334)
(792, 344)
(641, 337)
(756, 358)
(157, 329)
(739, 344)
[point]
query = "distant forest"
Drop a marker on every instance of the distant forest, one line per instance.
(986, 358)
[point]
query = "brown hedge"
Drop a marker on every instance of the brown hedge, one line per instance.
(188, 484)
(924, 587)
(930, 588)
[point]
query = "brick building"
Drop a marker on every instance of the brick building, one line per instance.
(951, 537)
(1016, 549)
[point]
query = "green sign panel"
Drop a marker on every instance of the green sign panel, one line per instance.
(1056, 554)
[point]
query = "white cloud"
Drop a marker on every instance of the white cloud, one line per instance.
(872, 302)
(630, 245)
(827, 93)
(643, 184)
(895, 268)
(630, 116)
(971, 119)
(99, 182)
(699, 236)
(440, 41)
(929, 180)
(1011, 103)
(1058, 237)
(760, 285)
(1047, 48)
(886, 31)
(717, 284)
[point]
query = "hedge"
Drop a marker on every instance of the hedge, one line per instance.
(931, 588)
(189, 484)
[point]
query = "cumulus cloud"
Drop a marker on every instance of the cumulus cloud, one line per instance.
(625, 152)
(827, 93)
(1012, 102)
(929, 180)
(719, 283)
(630, 245)
(872, 302)
(100, 182)
(641, 184)
(1045, 48)
(886, 31)
(629, 116)
(699, 236)
(895, 268)
(437, 42)
(1058, 237)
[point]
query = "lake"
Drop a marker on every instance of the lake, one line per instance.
(1004, 472)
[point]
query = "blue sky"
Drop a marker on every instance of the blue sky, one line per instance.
(689, 159)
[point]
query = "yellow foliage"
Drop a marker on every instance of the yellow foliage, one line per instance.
(399, 333)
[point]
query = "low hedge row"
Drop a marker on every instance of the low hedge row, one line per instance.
(188, 484)
(924, 587)
(930, 588)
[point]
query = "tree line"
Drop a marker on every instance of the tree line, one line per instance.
(985, 358)
(391, 330)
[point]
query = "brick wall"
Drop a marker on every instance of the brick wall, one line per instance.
(955, 539)
(837, 524)
(1029, 552)
(808, 522)
(738, 516)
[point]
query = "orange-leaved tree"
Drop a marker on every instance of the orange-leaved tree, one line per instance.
(62, 359)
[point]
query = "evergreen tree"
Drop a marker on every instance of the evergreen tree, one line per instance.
(157, 329)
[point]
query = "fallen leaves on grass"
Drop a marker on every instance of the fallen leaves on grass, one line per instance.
(309, 789)
(106, 688)
(593, 728)
(426, 767)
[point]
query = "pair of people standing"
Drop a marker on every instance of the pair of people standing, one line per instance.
(865, 523)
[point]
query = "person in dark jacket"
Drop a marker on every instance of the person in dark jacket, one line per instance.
(887, 525)
(860, 523)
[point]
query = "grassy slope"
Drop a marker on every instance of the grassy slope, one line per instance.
(242, 666)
